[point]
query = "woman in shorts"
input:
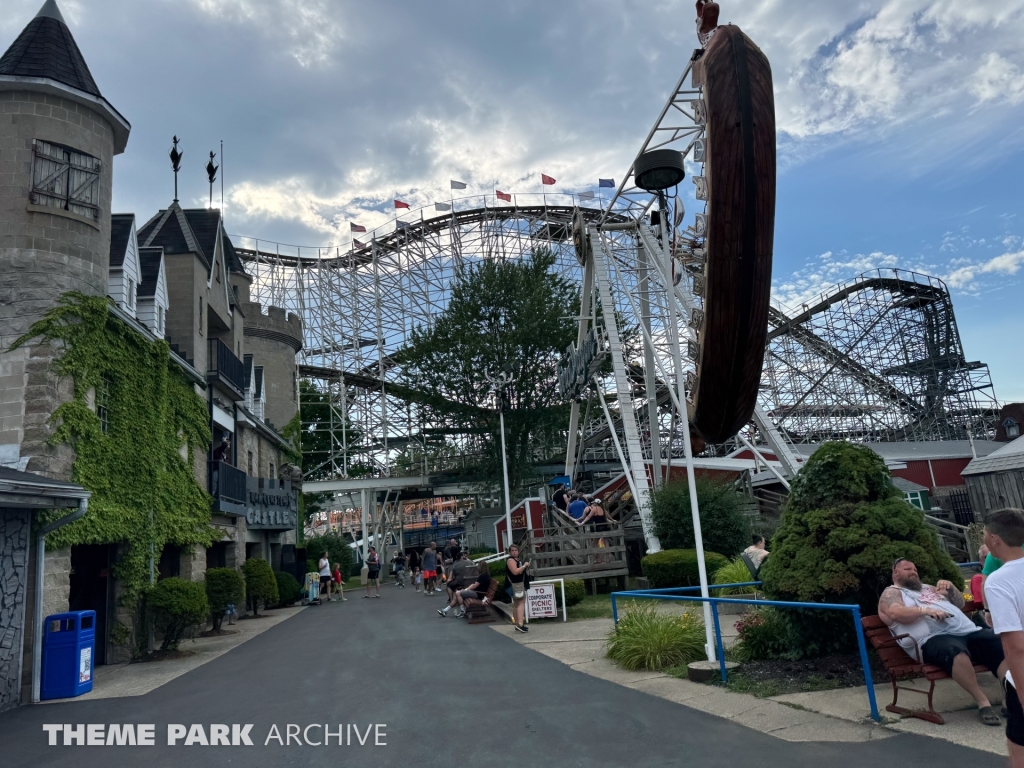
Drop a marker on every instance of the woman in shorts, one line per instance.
(373, 572)
(325, 577)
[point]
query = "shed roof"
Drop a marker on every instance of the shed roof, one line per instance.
(1009, 457)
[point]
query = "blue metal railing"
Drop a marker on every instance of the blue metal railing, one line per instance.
(666, 594)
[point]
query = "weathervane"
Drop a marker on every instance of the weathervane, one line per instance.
(176, 164)
(211, 172)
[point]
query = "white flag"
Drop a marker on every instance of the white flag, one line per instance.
(442, 206)
(458, 184)
(586, 195)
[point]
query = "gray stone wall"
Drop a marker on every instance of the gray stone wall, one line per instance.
(276, 353)
(15, 525)
(42, 256)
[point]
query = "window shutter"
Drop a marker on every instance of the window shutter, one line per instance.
(83, 185)
(65, 179)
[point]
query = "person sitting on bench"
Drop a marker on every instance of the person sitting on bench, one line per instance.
(757, 553)
(476, 591)
(928, 624)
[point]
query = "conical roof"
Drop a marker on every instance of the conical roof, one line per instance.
(46, 49)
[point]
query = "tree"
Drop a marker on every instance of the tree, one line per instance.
(724, 528)
(842, 528)
(224, 586)
(500, 314)
(338, 551)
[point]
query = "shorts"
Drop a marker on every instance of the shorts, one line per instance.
(373, 574)
(981, 647)
(602, 526)
(1014, 716)
(471, 594)
(325, 582)
(430, 574)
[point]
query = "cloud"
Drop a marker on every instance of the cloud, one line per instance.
(966, 277)
(998, 79)
(821, 276)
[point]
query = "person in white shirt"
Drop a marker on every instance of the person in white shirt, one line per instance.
(930, 626)
(1004, 598)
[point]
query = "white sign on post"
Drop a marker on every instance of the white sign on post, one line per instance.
(540, 602)
(85, 666)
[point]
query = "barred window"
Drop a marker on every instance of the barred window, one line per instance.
(65, 179)
(103, 404)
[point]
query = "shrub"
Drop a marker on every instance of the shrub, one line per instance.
(223, 586)
(288, 588)
(260, 584)
(842, 527)
(176, 606)
(766, 633)
(735, 572)
(678, 567)
(338, 551)
(646, 639)
(575, 591)
(724, 527)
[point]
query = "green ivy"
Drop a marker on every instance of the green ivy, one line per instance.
(144, 493)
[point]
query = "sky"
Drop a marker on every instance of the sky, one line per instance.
(900, 130)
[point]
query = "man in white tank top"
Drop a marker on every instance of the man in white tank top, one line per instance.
(930, 626)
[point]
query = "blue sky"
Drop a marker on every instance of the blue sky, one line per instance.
(900, 121)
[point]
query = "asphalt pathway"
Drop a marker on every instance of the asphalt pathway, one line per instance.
(443, 693)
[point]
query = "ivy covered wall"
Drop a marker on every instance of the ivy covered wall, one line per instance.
(128, 446)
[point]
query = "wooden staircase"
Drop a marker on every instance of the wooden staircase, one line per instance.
(564, 550)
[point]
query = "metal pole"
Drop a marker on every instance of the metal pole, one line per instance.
(504, 471)
(858, 628)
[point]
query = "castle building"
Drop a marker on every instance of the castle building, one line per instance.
(173, 279)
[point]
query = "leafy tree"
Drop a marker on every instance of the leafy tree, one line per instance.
(842, 528)
(260, 584)
(500, 314)
(176, 606)
(224, 586)
(724, 527)
(338, 551)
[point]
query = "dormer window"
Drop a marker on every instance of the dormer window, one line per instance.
(1012, 428)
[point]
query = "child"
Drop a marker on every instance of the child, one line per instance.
(339, 584)
(230, 613)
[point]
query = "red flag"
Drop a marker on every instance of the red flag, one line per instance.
(547, 180)
(400, 204)
(503, 196)
(356, 227)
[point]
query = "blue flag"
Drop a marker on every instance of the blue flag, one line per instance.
(606, 183)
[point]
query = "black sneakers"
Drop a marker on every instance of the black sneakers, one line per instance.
(440, 612)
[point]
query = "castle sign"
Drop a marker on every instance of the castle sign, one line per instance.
(270, 504)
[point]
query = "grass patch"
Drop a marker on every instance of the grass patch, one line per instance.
(646, 639)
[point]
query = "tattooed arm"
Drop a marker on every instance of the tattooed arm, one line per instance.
(891, 608)
(954, 595)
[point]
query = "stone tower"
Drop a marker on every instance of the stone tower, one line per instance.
(58, 138)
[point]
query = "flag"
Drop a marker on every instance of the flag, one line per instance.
(442, 206)
(546, 180)
(588, 195)
(356, 227)
(606, 183)
(400, 204)
(402, 225)
(357, 244)
(503, 196)
(458, 184)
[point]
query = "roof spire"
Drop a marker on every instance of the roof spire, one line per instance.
(50, 10)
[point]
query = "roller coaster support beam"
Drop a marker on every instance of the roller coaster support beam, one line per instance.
(637, 468)
(650, 380)
(586, 310)
(778, 443)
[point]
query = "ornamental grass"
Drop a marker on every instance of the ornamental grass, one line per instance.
(647, 639)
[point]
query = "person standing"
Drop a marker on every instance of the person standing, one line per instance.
(339, 582)
(561, 498)
(414, 569)
(756, 551)
(325, 577)
(577, 507)
(516, 583)
(429, 569)
(1004, 598)
(373, 571)
(399, 562)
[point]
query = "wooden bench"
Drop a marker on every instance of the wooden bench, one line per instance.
(478, 612)
(901, 667)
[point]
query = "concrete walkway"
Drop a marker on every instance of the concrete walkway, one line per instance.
(836, 715)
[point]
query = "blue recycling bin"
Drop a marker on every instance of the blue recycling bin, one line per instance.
(69, 642)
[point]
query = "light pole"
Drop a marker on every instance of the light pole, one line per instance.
(498, 384)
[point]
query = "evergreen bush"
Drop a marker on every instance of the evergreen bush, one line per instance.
(842, 528)
(260, 584)
(646, 639)
(224, 586)
(176, 606)
(288, 589)
(575, 591)
(724, 527)
(678, 567)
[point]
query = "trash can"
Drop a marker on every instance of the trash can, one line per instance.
(68, 643)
